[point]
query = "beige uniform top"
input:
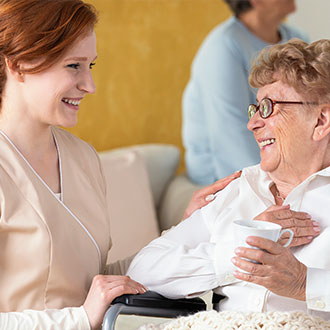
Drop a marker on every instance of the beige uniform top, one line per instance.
(50, 248)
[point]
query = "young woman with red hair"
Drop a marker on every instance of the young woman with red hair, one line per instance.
(54, 226)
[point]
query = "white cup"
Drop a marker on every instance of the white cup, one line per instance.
(269, 230)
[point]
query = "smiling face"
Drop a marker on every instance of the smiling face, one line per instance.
(52, 97)
(285, 138)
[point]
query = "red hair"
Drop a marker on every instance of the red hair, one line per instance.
(40, 29)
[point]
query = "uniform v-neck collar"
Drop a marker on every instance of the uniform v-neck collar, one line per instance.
(33, 170)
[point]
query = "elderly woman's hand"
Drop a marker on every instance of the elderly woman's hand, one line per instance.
(104, 289)
(301, 223)
(278, 270)
(205, 195)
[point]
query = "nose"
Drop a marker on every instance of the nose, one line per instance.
(86, 84)
(255, 122)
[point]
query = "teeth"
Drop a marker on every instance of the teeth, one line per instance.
(71, 101)
(267, 142)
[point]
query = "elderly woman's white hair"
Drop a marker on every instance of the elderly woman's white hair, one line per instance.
(305, 67)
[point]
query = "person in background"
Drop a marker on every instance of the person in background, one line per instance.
(54, 226)
(214, 130)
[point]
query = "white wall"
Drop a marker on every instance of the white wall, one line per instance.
(312, 16)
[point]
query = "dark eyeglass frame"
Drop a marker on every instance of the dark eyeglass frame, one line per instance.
(253, 108)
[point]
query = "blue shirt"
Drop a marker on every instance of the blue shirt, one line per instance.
(215, 102)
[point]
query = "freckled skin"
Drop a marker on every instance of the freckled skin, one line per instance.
(41, 94)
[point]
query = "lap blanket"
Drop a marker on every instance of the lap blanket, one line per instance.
(242, 321)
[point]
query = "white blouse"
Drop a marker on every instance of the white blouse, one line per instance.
(194, 257)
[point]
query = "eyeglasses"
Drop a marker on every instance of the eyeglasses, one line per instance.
(266, 107)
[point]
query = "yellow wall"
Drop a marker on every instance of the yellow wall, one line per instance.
(145, 49)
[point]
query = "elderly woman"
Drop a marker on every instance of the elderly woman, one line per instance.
(291, 124)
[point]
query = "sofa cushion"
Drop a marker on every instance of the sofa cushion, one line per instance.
(162, 161)
(131, 207)
(175, 201)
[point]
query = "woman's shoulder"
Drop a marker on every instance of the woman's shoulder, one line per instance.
(223, 199)
(227, 42)
(79, 155)
(69, 140)
(235, 197)
(229, 195)
(225, 34)
(74, 148)
(290, 32)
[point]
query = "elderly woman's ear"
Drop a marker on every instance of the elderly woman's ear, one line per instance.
(322, 127)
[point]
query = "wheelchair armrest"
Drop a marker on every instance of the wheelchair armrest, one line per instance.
(151, 299)
(151, 304)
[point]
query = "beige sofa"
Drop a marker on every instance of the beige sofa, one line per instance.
(145, 195)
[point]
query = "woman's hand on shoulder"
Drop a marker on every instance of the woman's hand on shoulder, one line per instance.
(205, 195)
(104, 289)
(301, 223)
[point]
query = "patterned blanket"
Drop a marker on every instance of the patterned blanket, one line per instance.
(243, 321)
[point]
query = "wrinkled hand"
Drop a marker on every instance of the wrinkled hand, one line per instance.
(104, 289)
(301, 223)
(205, 195)
(278, 270)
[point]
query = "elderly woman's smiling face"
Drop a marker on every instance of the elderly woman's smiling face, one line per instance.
(284, 138)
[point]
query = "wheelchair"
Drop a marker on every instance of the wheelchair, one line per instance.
(153, 304)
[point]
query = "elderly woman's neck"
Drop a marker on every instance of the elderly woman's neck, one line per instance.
(281, 190)
(286, 180)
